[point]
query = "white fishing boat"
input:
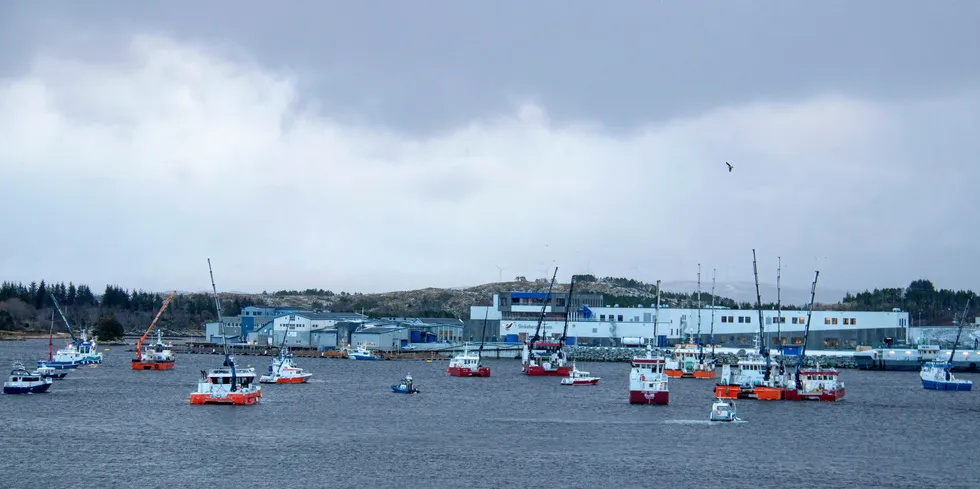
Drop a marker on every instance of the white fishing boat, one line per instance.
(20, 381)
(723, 410)
(579, 377)
(284, 371)
(938, 376)
(648, 382)
(361, 353)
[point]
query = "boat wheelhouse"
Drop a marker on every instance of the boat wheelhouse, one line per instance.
(284, 371)
(227, 385)
(648, 382)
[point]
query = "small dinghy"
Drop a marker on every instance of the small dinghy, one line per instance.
(405, 386)
(723, 410)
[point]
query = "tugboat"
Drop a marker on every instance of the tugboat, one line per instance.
(406, 386)
(579, 377)
(226, 384)
(158, 356)
(361, 353)
(21, 381)
(938, 376)
(283, 370)
(723, 410)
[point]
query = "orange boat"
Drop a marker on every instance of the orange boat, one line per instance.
(158, 356)
(688, 362)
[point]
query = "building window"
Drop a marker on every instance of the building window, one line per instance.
(748, 319)
(595, 330)
(854, 321)
(741, 319)
(619, 318)
(731, 319)
(826, 320)
(802, 320)
(794, 320)
(602, 317)
(833, 321)
(724, 319)
(846, 321)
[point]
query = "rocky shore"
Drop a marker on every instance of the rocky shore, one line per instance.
(620, 354)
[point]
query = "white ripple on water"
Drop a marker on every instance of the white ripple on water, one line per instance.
(571, 421)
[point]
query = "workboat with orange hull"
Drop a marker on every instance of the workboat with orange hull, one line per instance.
(226, 384)
(648, 382)
(159, 356)
(689, 362)
(816, 384)
(284, 371)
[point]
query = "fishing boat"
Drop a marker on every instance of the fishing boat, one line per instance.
(47, 371)
(284, 371)
(723, 410)
(468, 364)
(937, 375)
(813, 384)
(648, 382)
(21, 381)
(226, 384)
(546, 358)
(406, 386)
(78, 351)
(361, 353)
(753, 377)
(159, 356)
(51, 372)
(579, 377)
(688, 360)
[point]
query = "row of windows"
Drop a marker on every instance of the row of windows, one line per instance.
(741, 319)
(847, 321)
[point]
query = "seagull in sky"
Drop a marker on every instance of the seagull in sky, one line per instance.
(729, 166)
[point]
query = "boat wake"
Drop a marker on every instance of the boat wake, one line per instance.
(701, 421)
(569, 421)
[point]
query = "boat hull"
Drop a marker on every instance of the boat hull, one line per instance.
(364, 357)
(300, 379)
(27, 389)
(946, 386)
(580, 381)
(766, 393)
(400, 390)
(728, 391)
(697, 374)
(641, 397)
(468, 372)
(140, 365)
(58, 365)
(539, 371)
(825, 395)
(233, 398)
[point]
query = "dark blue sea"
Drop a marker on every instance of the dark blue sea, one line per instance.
(109, 426)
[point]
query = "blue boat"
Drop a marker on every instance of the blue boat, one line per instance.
(937, 376)
(23, 382)
(405, 386)
(361, 353)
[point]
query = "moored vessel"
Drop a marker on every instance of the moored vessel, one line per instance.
(226, 384)
(648, 382)
(468, 364)
(813, 384)
(361, 353)
(546, 358)
(284, 371)
(688, 360)
(159, 356)
(937, 375)
(20, 381)
(579, 377)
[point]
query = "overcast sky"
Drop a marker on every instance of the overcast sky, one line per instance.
(344, 146)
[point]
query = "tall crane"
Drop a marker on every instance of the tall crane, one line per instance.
(763, 347)
(74, 340)
(139, 344)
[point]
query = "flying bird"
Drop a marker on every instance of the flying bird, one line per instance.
(729, 166)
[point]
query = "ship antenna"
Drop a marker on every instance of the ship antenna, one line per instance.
(763, 348)
(229, 362)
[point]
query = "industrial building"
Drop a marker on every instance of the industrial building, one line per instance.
(592, 323)
(381, 337)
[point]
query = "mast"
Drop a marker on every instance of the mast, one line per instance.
(568, 312)
(779, 304)
(67, 326)
(806, 330)
(712, 313)
(763, 348)
(544, 306)
(483, 337)
(51, 339)
(699, 342)
(949, 366)
(139, 344)
(229, 362)
(656, 317)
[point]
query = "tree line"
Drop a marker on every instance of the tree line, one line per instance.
(29, 307)
(920, 299)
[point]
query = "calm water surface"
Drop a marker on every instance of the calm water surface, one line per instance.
(108, 426)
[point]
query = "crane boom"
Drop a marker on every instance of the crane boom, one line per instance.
(763, 347)
(139, 344)
(68, 326)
